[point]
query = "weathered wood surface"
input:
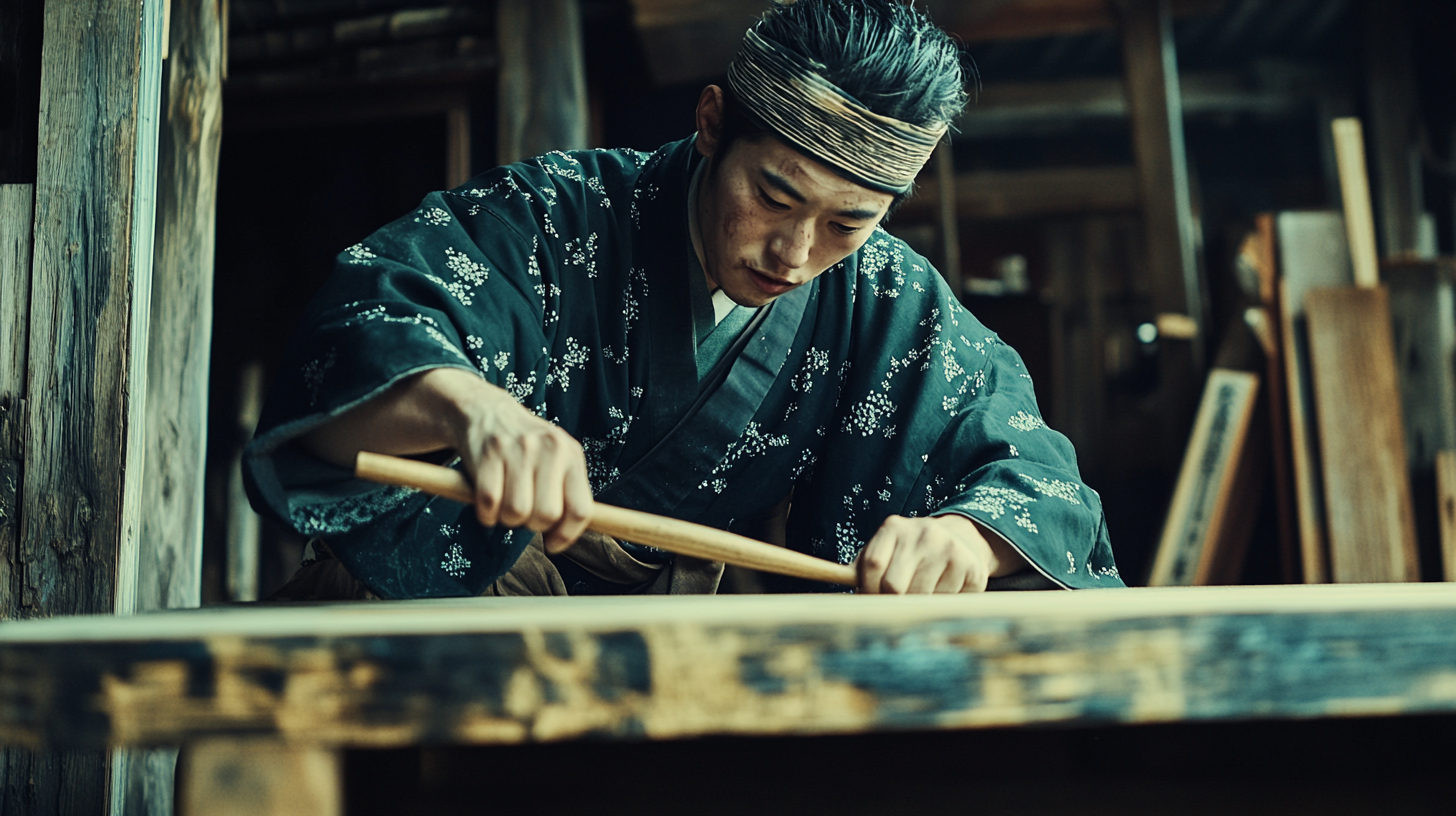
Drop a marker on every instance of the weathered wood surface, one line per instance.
(1150, 67)
(79, 494)
(537, 669)
(16, 206)
(1313, 252)
(1372, 533)
(542, 103)
(170, 547)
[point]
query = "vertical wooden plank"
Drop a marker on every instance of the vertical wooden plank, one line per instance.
(1372, 531)
(1191, 551)
(243, 523)
(260, 777)
(1263, 250)
(1446, 503)
(1312, 252)
(16, 202)
(1156, 115)
(542, 103)
(170, 551)
(1355, 192)
(89, 289)
(1391, 100)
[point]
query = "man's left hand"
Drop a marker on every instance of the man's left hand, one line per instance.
(940, 554)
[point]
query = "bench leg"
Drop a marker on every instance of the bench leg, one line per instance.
(257, 777)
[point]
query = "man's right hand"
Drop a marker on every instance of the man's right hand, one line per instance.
(527, 472)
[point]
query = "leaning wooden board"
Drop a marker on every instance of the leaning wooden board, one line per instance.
(1372, 528)
(511, 670)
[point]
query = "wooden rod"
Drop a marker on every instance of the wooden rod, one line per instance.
(1355, 190)
(673, 535)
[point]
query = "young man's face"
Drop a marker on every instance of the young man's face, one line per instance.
(771, 218)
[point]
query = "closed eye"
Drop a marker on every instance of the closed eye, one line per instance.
(771, 202)
(844, 229)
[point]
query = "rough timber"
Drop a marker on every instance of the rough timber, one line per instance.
(521, 669)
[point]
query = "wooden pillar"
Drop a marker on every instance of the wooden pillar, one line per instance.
(1391, 100)
(542, 104)
(1156, 114)
(950, 225)
(78, 494)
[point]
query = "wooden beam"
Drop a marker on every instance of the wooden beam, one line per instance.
(542, 104)
(1030, 193)
(16, 223)
(515, 670)
(694, 40)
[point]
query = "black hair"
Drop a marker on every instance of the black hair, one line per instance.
(887, 55)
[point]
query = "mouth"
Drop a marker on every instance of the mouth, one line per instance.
(768, 284)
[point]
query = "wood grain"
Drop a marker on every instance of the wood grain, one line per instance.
(1198, 533)
(542, 104)
(16, 207)
(1312, 252)
(91, 269)
(1446, 507)
(506, 670)
(1372, 534)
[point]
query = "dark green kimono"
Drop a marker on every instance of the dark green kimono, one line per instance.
(565, 280)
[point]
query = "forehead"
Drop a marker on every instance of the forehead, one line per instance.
(814, 179)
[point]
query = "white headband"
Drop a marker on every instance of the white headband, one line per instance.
(790, 98)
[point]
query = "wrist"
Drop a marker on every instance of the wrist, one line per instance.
(458, 401)
(1004, 558)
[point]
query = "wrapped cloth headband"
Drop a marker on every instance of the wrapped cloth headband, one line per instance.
(786, 95)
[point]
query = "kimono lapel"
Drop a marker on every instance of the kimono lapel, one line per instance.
(669, 475)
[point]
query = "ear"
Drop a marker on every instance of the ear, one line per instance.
(709, 119)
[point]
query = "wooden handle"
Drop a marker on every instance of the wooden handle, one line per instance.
(1355, 190)
(669, 534)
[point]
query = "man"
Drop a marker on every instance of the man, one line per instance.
(699, 332)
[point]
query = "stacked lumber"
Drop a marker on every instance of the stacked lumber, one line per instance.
(1358, 394)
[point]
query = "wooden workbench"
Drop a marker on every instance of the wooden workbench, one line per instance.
(269, 694)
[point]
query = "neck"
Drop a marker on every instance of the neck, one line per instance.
(694, 219)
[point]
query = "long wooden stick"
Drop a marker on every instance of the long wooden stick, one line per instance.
(669, 534)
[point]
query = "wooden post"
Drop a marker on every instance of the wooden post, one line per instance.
(260, 777)
(542, 105)
(79, 493)
(1155, 110)
(16, 201)
(1391, 97)
(457, 146)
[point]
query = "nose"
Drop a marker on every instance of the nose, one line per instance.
(791, 245)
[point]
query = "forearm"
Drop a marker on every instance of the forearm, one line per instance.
(423, 413)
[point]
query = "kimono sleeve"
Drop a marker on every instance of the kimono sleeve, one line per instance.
(455, 284)
(1019, 478)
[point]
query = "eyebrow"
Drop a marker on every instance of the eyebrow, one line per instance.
(782, 184)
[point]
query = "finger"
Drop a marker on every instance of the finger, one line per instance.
(489, 484)
(550, 486)
(576, 510)
(933, 560)
(519, 494)
(874, 559)
(957, 574)
(904, 563)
